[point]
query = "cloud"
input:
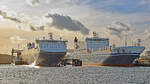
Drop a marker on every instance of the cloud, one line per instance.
(144, 2)
(12, 18)
(118, 29)
(66, 22)
(30, 27)
(95, 16)
(16, 39)
(146, 35)
(36, 28)
(22, 23)
(53, 20)
(145, 38)
(33, 2)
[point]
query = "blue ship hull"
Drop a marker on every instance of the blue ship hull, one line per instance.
(115, 60)
(41, 58)
(107, 58)
(49, 59)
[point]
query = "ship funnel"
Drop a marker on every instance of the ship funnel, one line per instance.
(60, 38)
(113, 46)
(50, 36)
(76, 43)
(139, 42)
(95, 35)
(75, 39)
(43, 38)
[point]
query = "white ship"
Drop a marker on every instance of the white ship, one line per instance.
(44, 52)
(97, 51)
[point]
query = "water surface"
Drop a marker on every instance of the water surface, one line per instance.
(11, 74)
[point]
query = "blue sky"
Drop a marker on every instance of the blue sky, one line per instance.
(121, 6)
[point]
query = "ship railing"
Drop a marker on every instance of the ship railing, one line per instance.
(75, 54)
(92, 50)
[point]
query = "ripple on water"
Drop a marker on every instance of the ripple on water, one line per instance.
(11, 74)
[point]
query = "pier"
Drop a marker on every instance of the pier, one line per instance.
(15, 57)
(5, 59)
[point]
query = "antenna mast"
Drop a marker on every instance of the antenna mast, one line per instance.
(125, 40)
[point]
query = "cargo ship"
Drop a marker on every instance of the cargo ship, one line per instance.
(97, 51)
(44, 52)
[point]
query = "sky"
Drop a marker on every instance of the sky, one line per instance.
(29, 19)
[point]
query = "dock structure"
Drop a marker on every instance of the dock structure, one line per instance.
(10, 59)
(5, 59)
(144, 60)
(15, 57)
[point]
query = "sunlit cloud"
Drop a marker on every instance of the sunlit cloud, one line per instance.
(66, 22)
(16, 39)
(33, 2)
(91, 14)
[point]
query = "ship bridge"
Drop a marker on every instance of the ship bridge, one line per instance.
(96, 43)
(49, 45)
(52, 45)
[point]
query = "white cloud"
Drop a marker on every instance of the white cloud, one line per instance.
(33, 2)
(16, 39)
(119, 29)
(66, 22)
(144, 2)
(94, 19)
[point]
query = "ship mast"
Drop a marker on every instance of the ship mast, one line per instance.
(125, 40)
(139, 42)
